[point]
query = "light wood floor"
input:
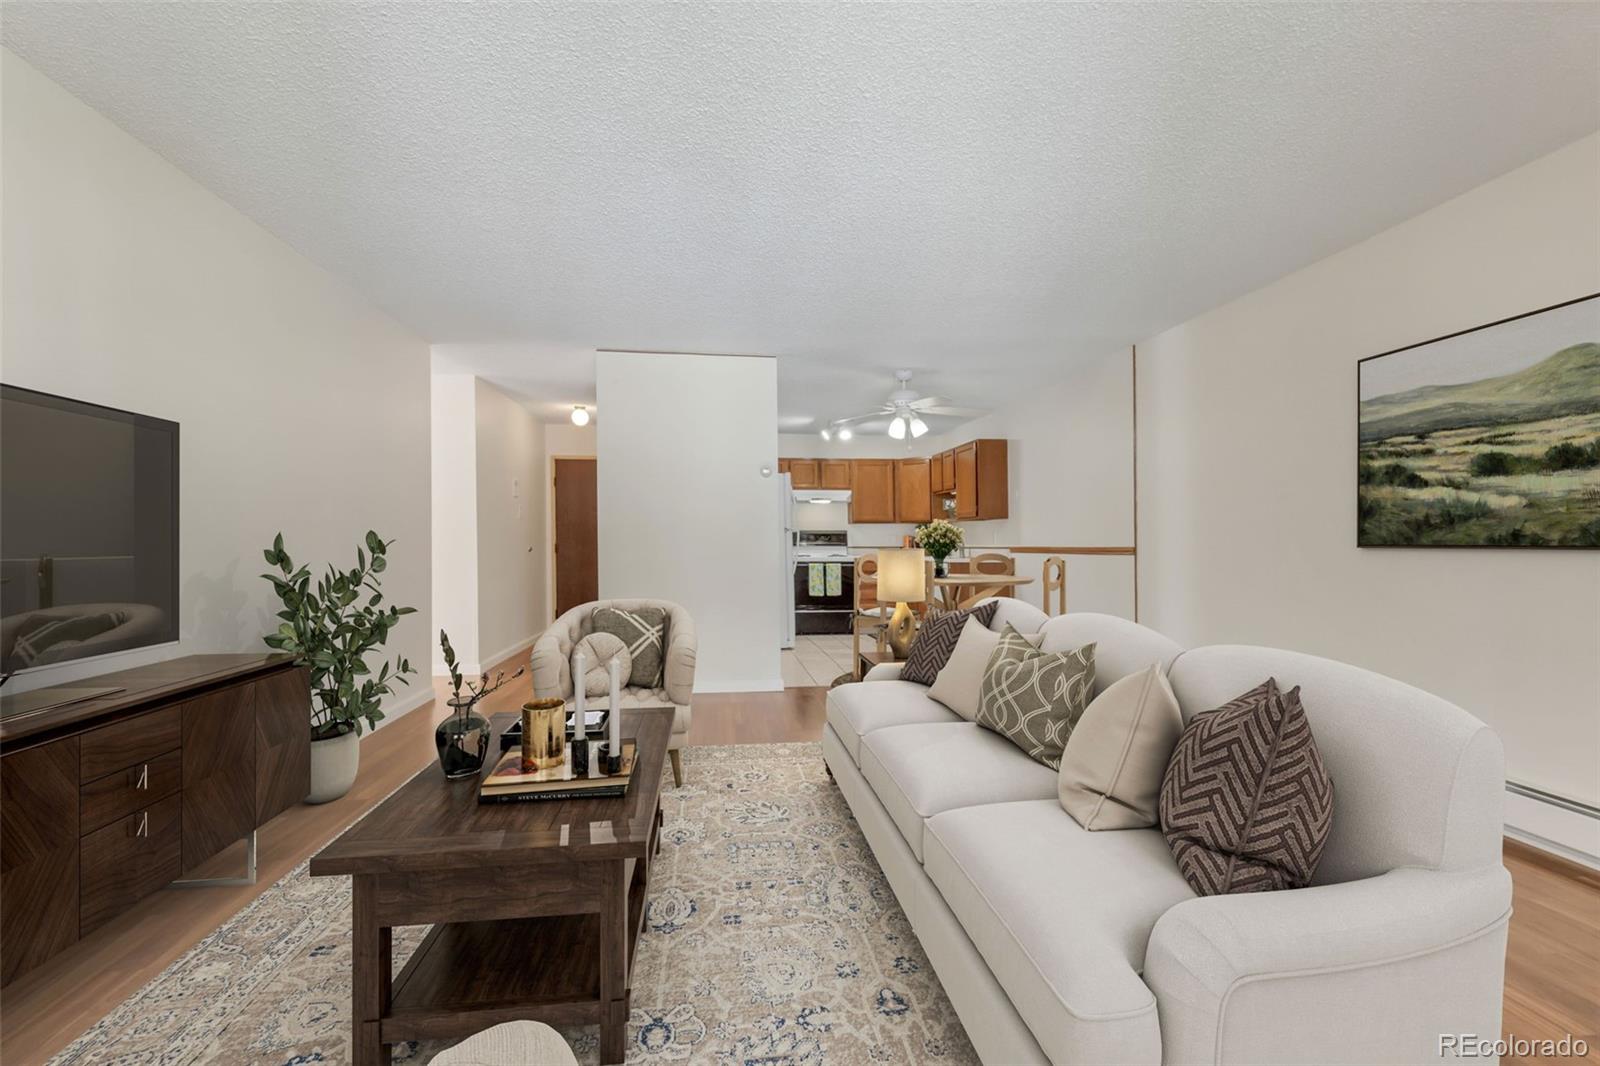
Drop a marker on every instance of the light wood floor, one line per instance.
(1552, 965)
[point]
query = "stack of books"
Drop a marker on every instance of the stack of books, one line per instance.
(507, 783)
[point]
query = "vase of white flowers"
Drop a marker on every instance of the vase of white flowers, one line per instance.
(939, 538)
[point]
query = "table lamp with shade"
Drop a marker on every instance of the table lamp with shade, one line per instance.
(901, 574)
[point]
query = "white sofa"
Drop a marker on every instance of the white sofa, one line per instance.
(1064, 946)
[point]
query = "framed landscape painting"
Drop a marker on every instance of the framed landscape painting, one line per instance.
(1488, 438)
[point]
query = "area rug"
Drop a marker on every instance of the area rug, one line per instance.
(770, 937)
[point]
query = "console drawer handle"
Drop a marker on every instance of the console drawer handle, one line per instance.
(144, 824)
(144, 777)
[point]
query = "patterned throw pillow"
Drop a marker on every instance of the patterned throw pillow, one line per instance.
(1033, 698)
(936, 639)
(598, 650)
(1246, 803)
(644, 631)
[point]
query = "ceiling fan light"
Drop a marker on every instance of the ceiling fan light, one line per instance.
(897, 428)
(580, 415)
(826, 433)
(844, 433)
(918, 426)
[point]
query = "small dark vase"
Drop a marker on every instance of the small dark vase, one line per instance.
(941, 568)
(463, 744)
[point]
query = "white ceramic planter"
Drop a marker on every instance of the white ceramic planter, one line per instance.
(333, 767)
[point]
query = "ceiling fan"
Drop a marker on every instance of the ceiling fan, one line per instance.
(905, 408)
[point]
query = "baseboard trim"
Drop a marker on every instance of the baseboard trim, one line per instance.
(1564, 828)
(498, 659)
(764, 685)
(402, 707)
(1569, 861)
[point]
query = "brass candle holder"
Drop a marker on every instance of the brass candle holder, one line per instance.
(544, 734)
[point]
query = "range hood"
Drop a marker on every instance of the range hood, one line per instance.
(821, 495)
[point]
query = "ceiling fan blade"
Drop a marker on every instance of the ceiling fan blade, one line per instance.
(857, 418)
(950, 412)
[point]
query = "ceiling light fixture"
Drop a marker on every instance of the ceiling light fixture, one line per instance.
(827, 434)
(580, 415)
(845, 433)
(918, 426)
(897, 427)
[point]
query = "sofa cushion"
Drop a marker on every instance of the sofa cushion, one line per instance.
(936, 639)
(857, 709)
(1246, 802)
(919, 770)
(644, 631)
(1112, 767)
(1121, 647)
(1062, 916)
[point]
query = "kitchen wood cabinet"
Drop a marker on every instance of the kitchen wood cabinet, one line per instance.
(805, 473)
(872, 497)
(947, 470)
(835, 473)
(783, 465)
(982, 482)
(913, 490)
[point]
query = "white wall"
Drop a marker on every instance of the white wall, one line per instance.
(513, 600)
(303, 409)
(455, 518)
(1247, 474)
(684, 512)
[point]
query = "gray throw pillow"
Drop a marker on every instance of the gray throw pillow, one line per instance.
(644, 631)
(936, 639)
(1034, 698)
(1246, 803)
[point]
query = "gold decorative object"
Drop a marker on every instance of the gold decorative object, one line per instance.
(901, 574)
(544, 734)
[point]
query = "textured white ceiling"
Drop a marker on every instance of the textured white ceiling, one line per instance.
(981, 192)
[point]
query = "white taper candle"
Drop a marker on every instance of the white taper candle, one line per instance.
(614, 733)
(577, 692)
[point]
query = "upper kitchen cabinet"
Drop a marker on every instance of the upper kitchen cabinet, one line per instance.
(872, 496)
(982, 484)
(805, 473)
(914, 490)
(834, 474)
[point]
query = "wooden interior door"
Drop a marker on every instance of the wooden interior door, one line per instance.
(577, 548)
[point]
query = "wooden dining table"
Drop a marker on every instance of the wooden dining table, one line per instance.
(957, 589)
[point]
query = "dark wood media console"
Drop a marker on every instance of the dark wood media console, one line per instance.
(105, 801)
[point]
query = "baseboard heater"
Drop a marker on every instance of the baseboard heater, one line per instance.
(1558, 824)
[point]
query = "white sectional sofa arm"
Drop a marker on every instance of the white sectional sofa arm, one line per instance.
(885, 672)
(1376, 970)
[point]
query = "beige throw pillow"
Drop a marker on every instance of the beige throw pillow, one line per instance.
(958, 683)
(1112, 767)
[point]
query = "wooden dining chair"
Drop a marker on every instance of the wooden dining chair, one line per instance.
(1054, 580)
(996, 563)
(869, 616)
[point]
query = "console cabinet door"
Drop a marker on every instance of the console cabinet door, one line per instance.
(38, 854)
(283, 742)
(219, 772)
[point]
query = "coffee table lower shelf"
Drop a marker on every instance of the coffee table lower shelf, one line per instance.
(467, 976)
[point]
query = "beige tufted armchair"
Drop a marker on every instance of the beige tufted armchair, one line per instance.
(552, 666)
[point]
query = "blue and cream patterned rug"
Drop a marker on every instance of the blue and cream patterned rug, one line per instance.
(771, 937)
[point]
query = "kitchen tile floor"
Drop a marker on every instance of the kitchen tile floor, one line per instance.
(816, 660)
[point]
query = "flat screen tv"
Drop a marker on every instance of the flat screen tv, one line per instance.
(88, 530)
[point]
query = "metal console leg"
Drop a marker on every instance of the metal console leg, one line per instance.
(249, 877)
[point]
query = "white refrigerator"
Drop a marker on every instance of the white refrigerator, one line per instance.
(786, 511)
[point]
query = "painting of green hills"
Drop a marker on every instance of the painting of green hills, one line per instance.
(1488, 438)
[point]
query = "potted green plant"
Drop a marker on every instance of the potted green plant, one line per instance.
(463, 738)
(939, 538)
(330, 629)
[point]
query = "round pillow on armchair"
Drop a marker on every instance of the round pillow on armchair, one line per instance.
(598, 650)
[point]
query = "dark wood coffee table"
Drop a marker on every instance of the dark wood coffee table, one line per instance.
(536, 907)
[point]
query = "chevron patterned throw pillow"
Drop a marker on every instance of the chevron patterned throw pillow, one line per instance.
(1246, 803)
(1034, 698)
(936, 639)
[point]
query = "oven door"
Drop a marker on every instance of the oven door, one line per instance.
(826, 588)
